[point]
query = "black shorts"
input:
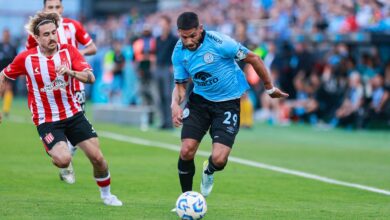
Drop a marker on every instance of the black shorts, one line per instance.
(223, 119)
(75, 129)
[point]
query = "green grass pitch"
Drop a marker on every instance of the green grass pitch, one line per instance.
(145, 178)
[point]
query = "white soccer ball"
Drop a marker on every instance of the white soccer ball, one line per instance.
(191, 206)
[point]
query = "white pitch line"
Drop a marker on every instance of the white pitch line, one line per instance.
(172, 147)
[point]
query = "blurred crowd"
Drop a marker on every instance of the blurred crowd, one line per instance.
(331, 83)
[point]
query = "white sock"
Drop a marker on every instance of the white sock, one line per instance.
(104, 185)
(105, 191)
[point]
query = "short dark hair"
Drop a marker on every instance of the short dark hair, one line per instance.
(187, 20)
(44, 2)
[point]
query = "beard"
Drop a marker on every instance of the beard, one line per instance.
(193, 46)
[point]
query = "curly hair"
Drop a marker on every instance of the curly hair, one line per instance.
(40, 19)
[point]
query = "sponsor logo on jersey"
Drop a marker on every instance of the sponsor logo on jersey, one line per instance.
(204, 79)
(208, 58)
(57, 84)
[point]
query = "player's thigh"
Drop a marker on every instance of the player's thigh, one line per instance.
(51, 134)
(78, 129)
(196, 118)
(91, 149)
(225, 122)
(60, 152)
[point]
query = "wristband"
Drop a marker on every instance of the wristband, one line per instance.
(270, 91)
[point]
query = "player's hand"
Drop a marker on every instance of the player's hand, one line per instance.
(62, 70)
(278, 94)
(177, 115)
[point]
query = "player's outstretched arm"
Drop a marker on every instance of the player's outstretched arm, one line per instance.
(2, 83)
(260, 69)
(90, 49)
(178, 97)
(85, 76)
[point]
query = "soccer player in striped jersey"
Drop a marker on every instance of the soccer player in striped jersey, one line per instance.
(50, 69)
(69, 32)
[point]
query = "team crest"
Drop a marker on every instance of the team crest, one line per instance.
(49, 138)
(208, 58)
(186, 113)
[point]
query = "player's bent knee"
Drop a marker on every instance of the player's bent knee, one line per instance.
(220, 162)
(187, 153)
(62, 161)
(98, 160)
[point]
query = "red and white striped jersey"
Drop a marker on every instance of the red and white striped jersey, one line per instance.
(50, 97)
(69, 32)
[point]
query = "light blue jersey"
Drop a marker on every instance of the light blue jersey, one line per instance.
(212, 67)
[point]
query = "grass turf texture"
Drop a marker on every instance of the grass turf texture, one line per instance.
(145, 179)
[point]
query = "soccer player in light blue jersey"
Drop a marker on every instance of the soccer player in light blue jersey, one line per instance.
(209, 58)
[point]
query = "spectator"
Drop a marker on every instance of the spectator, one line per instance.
(118, 69)
(165, 44)
(7, 54)
(144, 55)
(348, 113)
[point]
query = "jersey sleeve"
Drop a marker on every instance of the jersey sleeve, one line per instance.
(233, 49)
(31, 42)
(82, 35)
(16, 68)
(78, 61)
(180, 73)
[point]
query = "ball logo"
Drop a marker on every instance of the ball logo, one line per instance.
(208, 58)
(186, 113)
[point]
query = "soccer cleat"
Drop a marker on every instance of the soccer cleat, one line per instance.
(206, 185)
(67, 174)
(112, 200)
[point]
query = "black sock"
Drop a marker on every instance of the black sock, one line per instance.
(211, 168)
(186, 174)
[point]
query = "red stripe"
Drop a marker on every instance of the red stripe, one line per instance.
(69, 93)
(39, 81)
(76, 85)
(32, 105)
(57, 93)
(104, 183)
